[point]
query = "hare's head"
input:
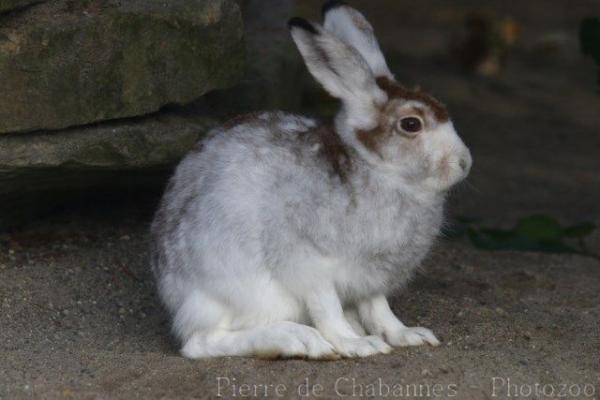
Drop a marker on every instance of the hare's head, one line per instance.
(405, 132)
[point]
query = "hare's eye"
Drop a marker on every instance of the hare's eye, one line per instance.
(410, 125)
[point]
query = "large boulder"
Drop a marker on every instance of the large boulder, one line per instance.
(153, 141)
(66, 63)
(39, 170)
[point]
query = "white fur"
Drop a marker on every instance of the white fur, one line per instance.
(259, 248)
(343, 73)
(353, 28)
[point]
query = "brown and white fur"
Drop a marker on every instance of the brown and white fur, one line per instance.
(280, 237)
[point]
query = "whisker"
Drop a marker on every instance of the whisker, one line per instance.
(471, 186)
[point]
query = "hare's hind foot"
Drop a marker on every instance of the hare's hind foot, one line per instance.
(279, 340)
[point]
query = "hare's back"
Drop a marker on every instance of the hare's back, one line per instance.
(248, 148)
(237, 164)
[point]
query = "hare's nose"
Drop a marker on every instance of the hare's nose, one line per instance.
(465, 162)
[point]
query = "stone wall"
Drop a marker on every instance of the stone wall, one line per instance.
(85, 83)
(64, 63)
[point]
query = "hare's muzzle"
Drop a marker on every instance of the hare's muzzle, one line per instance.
(450, 157)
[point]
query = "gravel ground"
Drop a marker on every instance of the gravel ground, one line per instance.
(80, 320)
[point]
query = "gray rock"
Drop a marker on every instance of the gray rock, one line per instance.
(150, 142)
(40, 170)
(66, 63)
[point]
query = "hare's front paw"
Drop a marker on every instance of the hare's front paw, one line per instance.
(412, 337)
(361, 346)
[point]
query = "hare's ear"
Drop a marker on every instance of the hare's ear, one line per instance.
(335, 65)
(352, 28)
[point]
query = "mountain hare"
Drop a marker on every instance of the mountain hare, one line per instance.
(279, 237)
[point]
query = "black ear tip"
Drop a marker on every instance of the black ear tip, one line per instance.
(301, 23)
(331, 4)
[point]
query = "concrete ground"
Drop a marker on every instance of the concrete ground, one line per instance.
(79, 318)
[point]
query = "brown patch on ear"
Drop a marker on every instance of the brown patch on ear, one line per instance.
(360, 22)
(334, 151)
(395, 90)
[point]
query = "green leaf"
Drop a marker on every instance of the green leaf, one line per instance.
(539, 228)
(579, 231)
(533, 233)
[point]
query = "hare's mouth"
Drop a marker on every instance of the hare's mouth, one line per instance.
(449, 171)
